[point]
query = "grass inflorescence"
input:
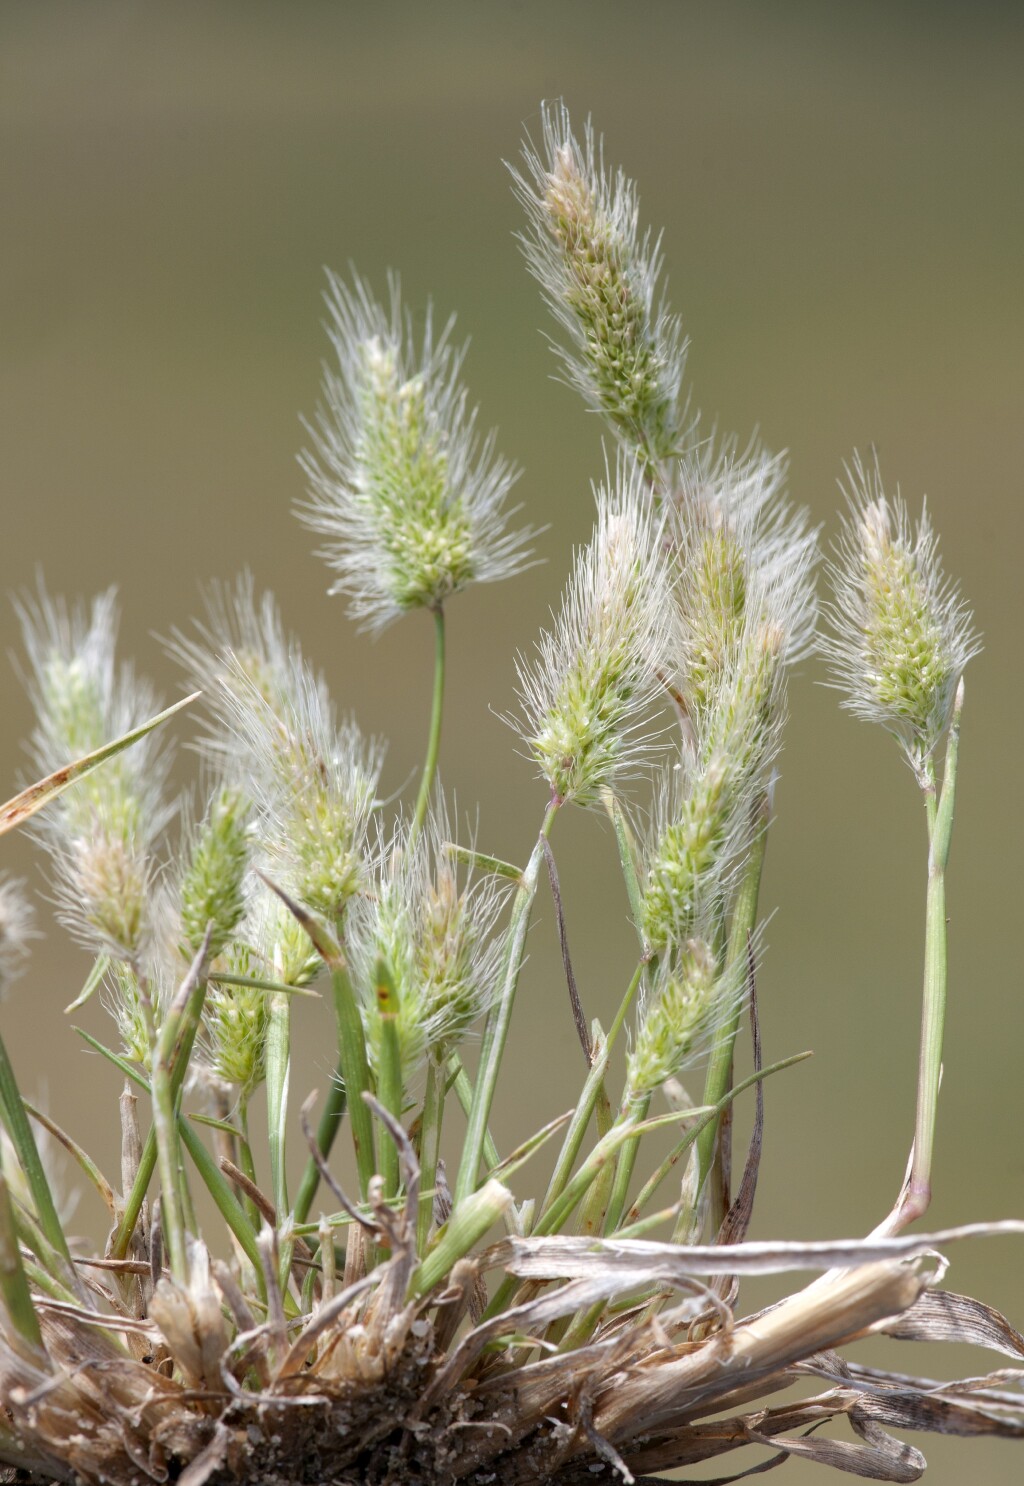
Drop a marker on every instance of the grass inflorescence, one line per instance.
(444, 1318)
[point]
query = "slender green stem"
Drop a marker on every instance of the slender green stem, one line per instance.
(136, 1197)
(165, 1126)
(14, 1290)
(625, 1128)
(185, 1191)
(227, 1203)
(330, 1121)
(355, 1071)
(933, 1009)
(15, 1118)
(436, 713)
(246, 1162)
(625, 1161)
(598, 1199)
(627, 859)
(278, 1059)
(177, 1031)
(496, 1027)
(554, 1220)
(460, 1080)
(744, 918)
(430, 1145)
(604, 1151)
(147, 1161)
(579, 1122)
(654, 1181)
(626, 1158)
(389, 1071)
(213, 1178)
(468, 1223)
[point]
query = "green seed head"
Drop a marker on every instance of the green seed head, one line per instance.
(683, 875)
(901, 633)
(600, 671)
(123, 999)
(599, 274)
(436, 937)
(675, 1020)
(101, 832)
(235, 1020)
(409, 501)
(211, 889)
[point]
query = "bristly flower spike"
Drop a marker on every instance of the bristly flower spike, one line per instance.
(312, 779)
(409, 499)
(436, 936)
(101, 832)
(746, 558)
(16, 930)
(212, 883)
(747, 610)
(676, 1020)
(599, 275)
(586, 696)
(901, 634)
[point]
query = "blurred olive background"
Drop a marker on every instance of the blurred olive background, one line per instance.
(840, 190)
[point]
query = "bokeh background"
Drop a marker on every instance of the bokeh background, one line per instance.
(840, 190)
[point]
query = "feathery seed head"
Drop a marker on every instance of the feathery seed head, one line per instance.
(746, 561)
(437, 939)
(675, 1020)
(317, 787)
(99, 833)
(269, 945)
(687, 860)
(599, 275)
(122, 997)
(212, 884)
(312, 780)
(242, 646)
(410, 501)
(15, 928)
(235, 1021)
(599, 671)
(704, 820)
(115, 883)
(901, 633)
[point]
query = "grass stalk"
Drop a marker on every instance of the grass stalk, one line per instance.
(245, 1160)
(14, 1289)
(327, 1129)
(148, 1159)
(278, 1056)
(469, 1221)
(460, 1081)
(496, 1028)
(355, 1071)
(178, 1029)
(165, 1125)
(744, 918)
(390, 1070)
(436, 714)
(933, 1009)
(627, 858)
(430, 1144)
(16, 1122)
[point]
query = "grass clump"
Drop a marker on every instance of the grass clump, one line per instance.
(444, 1321)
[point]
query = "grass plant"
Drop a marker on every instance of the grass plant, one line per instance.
(490, 1327)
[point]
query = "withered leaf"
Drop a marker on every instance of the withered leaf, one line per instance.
(944, 1316)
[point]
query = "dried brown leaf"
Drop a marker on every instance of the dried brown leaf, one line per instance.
(944, 1316)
